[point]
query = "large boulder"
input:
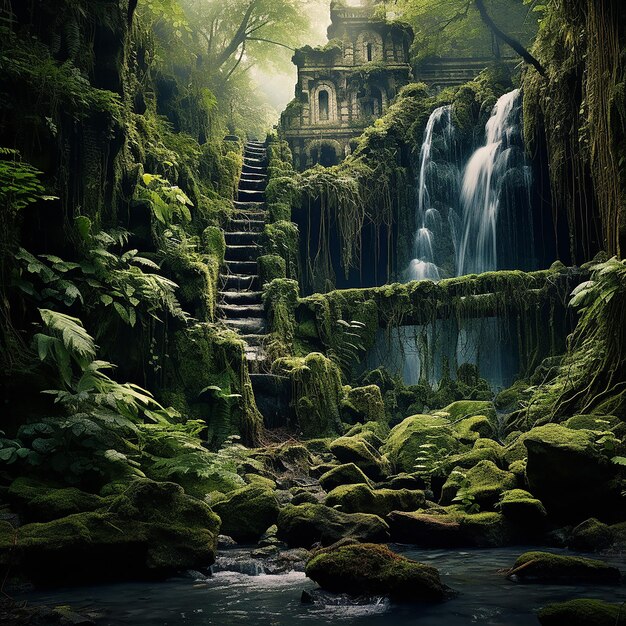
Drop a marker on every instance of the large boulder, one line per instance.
(375, 570)
(150, 530)
(346, 474)
(358, 451)
(307, 524)
(403, 445)
(484, 483)
(591, 535)
(426, 530)
(483, 450)
(363, 404)
(582, 612)
(545, 567)
(363, 499)
(521, 508)
(485, 530)
(248, 512)
(463, 409)
(41, 502)
(568, 473)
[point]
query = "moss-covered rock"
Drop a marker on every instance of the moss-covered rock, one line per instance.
(374, 570)
(426, 530)
(247, 513)
(40, 502)
(598, 423)
(472, 428)
(404, 441)
(463, 409)
(151, 529)
(307, 524)
(568, 473)
(271, 267)
(591, 536)
(485, 530)
(363, 499)
(318, 392)
(545, 567)
(346, 474)
(519, 507)
(484, 482)
(483, 450)
(582, 612)
(358, 451)
(364, 404)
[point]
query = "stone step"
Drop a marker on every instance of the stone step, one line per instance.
(248, 225)
(255, 207)
(247, 184)
(250, 326)
(240, 237)
(250, 196)
(241, 297)
(254, 340)
(242, 253)
(251, 170)
(242, 267)
(238, 311)
(254, 161)
(239, 282)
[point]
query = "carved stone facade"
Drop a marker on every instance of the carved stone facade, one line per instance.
(345, 85)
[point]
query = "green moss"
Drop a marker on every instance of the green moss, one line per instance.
(346, 474)
(151, 529)
(520, 507)
(484, 482)
(483, 450)
(591, 422)
(469, 408)
(318, 392)
(213, 242)
(247, 513)
(556, 568)
(307, 524)
(364, 404)
(590, 536)
(403, 445)
(282, 239)
(271, 267)
(202, 356)
(582, 612)
(375, 570)
(42, 502)
(471, 428)
(280, 297)
(360, 498)
(358, 451)
(485, 530)
(373, 432)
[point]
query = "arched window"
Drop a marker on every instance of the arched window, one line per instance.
(324, 108)
(370, 51)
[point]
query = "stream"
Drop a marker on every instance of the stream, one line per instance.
(227, 598)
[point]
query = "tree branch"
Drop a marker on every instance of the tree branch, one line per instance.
(276, 43)
(238, 38)
(513, 43)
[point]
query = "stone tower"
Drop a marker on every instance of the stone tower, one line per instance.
(343, 86)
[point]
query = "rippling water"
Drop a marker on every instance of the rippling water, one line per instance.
(231, 598)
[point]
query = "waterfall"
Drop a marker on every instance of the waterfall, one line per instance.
(473, 214)
(496, 230)
(437, 175)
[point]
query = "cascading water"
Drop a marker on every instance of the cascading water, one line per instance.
(438, 182)
(495, 197)
(473, 222)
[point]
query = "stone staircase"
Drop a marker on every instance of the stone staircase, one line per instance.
(240, 304)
